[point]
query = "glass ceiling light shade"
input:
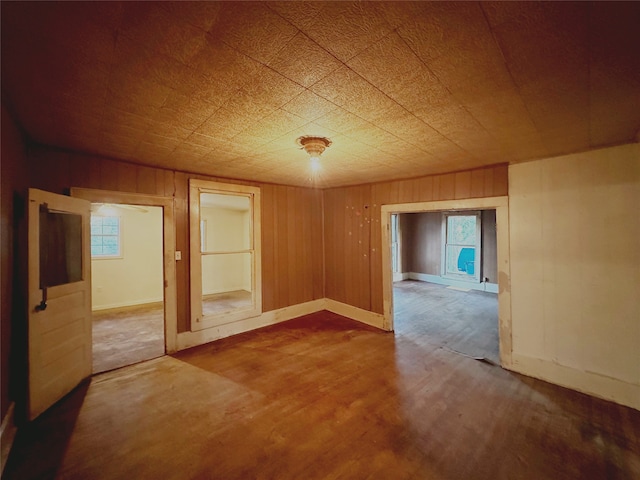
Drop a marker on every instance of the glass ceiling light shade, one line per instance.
(314, 146)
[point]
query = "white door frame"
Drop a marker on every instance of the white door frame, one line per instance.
(501, 205)
(169, 248)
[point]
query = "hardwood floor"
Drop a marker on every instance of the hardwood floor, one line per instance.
(465, 322)
(127, 335)
(324, 397)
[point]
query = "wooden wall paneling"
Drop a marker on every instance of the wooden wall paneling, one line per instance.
(462, 187)
(303, 238)
(446, 186)
(500, 181)
(79, 172)
(423, 190)
(294, 259)
(166, 183)
(127, 177)
(268, 248)
(282, 246)
(181, 203)
(380, 193)
(318, 244)
(335, 208)
(48, 170)
(477, 182)
(358, 256)
(108, 174)
(147, 180)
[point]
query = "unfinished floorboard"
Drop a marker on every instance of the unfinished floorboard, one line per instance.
(461, 321)
(325, 397)
(127, 335)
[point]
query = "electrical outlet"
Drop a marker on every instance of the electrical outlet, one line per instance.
(178, 255)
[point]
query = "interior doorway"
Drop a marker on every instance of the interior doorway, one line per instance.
(445, 286)
(465, 277)
(133, 277)
(127, 285)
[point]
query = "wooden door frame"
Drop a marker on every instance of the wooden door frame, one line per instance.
(501, 206)
(169, 248)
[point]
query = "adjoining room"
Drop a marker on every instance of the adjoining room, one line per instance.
(444, 268)
(127, 285)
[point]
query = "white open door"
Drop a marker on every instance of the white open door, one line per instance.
(59, 317)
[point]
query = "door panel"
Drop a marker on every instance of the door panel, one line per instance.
(59, 311)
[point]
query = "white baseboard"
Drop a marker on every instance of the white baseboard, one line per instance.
(8, 431)
(399, 277)
(97, 308)
(355, 313)
(591, 383)
(425, 277)
(192, 339)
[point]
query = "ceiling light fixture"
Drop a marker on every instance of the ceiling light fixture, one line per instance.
(314, 146)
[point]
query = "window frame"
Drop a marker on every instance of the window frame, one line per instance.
(199, 321)
(476, 278)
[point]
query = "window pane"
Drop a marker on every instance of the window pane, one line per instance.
(110, 250)
(460, 260)
(461, 229)
(105, 236)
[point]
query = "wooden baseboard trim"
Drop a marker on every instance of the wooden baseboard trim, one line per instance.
(8, 432)
(355, 313)
(206, 335)
(591, 383)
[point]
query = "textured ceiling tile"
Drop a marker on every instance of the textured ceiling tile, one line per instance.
(304, 61)
(346, 88)
(301, 14)
(342, 121)
(386, 62)
(309, 106)
(223, 125)
(200, 14)
(263, 94)
(253, 29)
(275, 124)
(430, 86)
(347, 28)
(225, 68)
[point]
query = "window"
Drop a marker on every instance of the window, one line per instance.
(462, 246)
(105, 237)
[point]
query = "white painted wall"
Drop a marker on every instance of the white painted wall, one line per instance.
(226, 230)
(575, 271)
(137, 277)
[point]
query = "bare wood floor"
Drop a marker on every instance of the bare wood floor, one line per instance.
(127, 335)
(324, 397)
(465, 322)
(223, 302)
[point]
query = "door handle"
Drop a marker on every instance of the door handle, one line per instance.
(43, 304)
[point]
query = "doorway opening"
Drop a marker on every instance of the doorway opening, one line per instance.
(133, 267)
(127, 293)
(446, 274)
(442, 286)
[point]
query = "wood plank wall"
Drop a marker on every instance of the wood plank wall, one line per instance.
(292, 266)
(353, 238)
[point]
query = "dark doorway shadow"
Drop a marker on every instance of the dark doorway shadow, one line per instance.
(40, 445)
